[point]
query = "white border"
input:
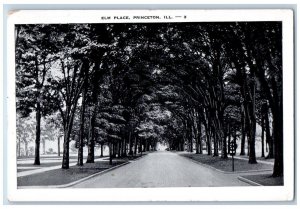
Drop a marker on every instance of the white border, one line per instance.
(157, 194)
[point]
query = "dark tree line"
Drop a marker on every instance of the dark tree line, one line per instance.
(129, 86)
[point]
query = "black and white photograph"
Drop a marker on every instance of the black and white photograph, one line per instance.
(150, 101)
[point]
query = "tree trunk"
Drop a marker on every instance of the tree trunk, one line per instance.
(190, 130)
(224, 144)
(110, 153)
(38, 134)
(141, 147)
(200, 140)
(65, 162)
(234, 137)
(135, 145)
(248, 145)
(125, 147)
(208, 143)
(67, 133)
(229, 139)
(262, 133)
(114, 150)
(91, 141)
(197, 145)
(228, 144)
(216, 147)
(144, 146)
(243, 141)
(252, 156)
(269, 139)
(243, 137)
(71, 106)
(101, 155)
(278, 145)
(81, 130)
(277, 111)
(251, 120)
(130, 144)
(120, 149)
(91, 152)
(208, 147)
(220, 142)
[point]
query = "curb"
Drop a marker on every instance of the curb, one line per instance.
(252, 183)
(225, 172)
(74, 182)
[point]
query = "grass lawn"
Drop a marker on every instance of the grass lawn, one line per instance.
(226, 164)
(65, 176)
(265, 179)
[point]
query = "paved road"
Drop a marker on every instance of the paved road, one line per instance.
(162, 169)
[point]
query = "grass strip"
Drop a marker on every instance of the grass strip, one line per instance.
(265, 179)
(226, 164)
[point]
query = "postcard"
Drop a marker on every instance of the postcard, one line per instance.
(150, 105)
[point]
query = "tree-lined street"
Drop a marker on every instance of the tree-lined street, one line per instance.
(209, 88)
